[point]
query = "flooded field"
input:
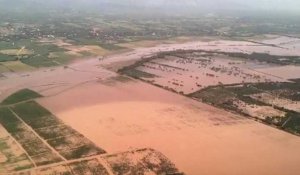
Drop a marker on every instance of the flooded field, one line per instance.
(287, 42)
(126, 115)
(276, 100)
(284, 72)
(273, 103)
(189, 73)
(149, 130)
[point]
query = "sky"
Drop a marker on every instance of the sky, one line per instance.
(184, 5)
(235, 4)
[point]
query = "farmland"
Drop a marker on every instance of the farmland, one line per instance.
(256, 84)
(275, 104)
(225, 74)
(22, 95)
(141, 162)
(12, 157)
(121, 87)
(44, 138)
(39, 153)
(31, 136)
(201, 135)
(77, 94)
(61, 38)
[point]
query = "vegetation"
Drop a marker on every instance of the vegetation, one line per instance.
(20, 96)
(123, 163)
(138, 74)
(4, 58)
(67, 141)
(109, 31)
(9, 121)
(224, 96)
(293, 122)
(64, 139)
(30, 111)
(29, 141)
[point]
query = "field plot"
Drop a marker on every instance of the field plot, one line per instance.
(86, 47)
(12, 157)
(194, 136)
(55, 170)
(17, 66)
(22, 95)
(7, 55)
(273, 103)
(15, 52)
(43, 137)
(273, 99)
(287, 72)
(65, 140)
(144, 161)
(189, 72)
(138, 162)
(88, 167)
(32, 144)
(85, 167)
(235, 81)
(287, 42)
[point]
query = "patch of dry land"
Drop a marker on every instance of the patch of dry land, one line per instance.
(198, 138)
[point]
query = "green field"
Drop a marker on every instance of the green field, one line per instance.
(22, 95)
(68, 142)
(88, 167)
(4, 58)
(36, 149)
(65, 140)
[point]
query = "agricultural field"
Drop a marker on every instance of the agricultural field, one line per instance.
(22, 95)
(240, 82)
(147, 161)
(144, 161)
(276, 104)
(26, 55)
(44, 138)
(192, 135)
(55, 40)
(12, 156)
(38, 151)
(32, 137)
(66, 141)
(92, 166)
(16, 66)
(84, 167)
(149, 87)
(188, 72)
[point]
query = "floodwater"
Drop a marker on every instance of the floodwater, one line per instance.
(190, 75)
(44, 76)
(198, 138)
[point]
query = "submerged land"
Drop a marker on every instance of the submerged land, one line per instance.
(104, 94)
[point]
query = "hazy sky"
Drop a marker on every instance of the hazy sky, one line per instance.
(268, 4)
(204, 5)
